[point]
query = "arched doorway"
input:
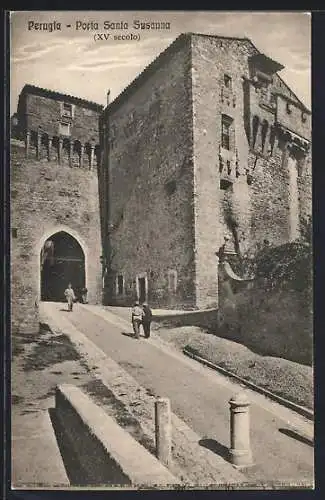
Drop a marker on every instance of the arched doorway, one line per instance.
(62, 261)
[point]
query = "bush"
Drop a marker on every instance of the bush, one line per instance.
(287, 267)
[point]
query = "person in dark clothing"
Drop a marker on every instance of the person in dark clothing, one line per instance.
(84, 292)
(146, 319)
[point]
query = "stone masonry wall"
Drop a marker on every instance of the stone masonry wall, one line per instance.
(45, 112)
(216, 209)
(152, 184)
(46, 198)
(246, 212)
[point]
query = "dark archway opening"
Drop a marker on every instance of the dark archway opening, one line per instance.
(62, 262)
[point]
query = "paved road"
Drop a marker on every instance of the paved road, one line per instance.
(200, 397)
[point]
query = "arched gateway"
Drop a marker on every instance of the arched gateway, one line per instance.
(62, 261)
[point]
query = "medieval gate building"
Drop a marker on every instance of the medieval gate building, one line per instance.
(55, 227)
(134, 200)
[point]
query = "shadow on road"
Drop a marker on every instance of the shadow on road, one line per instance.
(128, 334)
(293, 434)
(65, 310)
(216, 447)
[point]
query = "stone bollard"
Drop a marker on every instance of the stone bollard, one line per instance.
(240, 451)
(163, 430)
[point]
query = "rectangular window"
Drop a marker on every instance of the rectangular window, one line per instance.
(227, 81)
(64, 129)
(172, 281)
(120, 284)
(14, 232)
(67, 110)
(226, 124)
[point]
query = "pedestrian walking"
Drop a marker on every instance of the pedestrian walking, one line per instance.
(136, 318)
(146, 319)
(70, 296)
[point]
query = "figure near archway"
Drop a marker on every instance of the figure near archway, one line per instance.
(62, 261)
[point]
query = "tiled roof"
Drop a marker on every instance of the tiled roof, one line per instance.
(32, 89)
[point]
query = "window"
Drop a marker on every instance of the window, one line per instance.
(170, 187)
(227, 81)
(225, 131)
(120, 284)
(172, 281)
(67, 110)
(14, 232)
(64, 129)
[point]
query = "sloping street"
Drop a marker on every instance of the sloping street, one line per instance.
(200, 396)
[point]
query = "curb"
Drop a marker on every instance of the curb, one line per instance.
(285, 402)
(107, 453)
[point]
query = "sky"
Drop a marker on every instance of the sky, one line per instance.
(70, 61)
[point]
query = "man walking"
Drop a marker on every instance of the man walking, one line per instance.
(70, 296)
(146, 319)
(136, 318)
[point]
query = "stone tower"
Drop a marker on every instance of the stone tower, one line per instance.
(55, 226)
(208, 144)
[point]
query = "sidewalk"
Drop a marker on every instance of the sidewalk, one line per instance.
(39, 363)
(36, 457)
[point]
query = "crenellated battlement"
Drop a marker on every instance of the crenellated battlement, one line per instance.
(40, 145)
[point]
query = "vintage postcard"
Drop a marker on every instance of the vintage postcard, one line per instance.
(161, 251)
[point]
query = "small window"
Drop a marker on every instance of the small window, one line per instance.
(67, 109)
(14, 232)
(225, 131)
(120, 284)
(172, 281)
(288, 108)
(303, 117)
(64, 129)
(225, 184)
(227, 81)
(170, 187)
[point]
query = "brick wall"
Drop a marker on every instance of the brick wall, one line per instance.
(46, 198)
(151, 184)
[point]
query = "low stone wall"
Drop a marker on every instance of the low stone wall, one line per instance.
(277, 323)
(205, 319)
(105, 451)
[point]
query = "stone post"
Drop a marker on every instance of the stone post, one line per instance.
(60, 150)
(163, 430)
(27, 144)
(49, 148)
(240, 451)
